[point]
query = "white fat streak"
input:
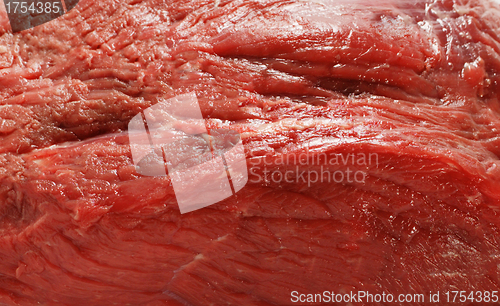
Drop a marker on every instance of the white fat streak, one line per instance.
(302, 124)
(195, 259)
(222, 238)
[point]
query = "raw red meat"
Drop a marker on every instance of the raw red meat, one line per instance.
(414, 82)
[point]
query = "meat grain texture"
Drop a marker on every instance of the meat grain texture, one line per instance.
(415, 82)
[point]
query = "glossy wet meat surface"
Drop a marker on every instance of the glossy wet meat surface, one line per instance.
(413, 83)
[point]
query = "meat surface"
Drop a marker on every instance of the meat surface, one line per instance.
(312, 87)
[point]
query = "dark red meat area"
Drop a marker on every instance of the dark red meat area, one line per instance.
(414, 83)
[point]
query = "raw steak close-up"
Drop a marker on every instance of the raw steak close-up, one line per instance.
(371, 135)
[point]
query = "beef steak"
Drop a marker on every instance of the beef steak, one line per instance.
(371, 131)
